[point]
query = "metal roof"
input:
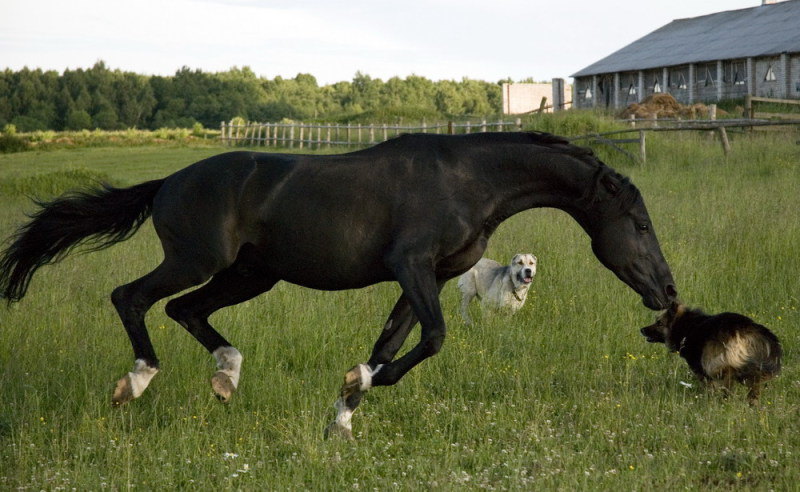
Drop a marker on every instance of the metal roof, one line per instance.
(758, 31)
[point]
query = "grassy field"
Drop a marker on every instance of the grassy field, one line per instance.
(565, 395)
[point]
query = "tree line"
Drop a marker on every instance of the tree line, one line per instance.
(98, 97)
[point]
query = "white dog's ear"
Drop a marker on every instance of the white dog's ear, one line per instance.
(515, 259)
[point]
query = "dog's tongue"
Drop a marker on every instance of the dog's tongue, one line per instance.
(527, 280)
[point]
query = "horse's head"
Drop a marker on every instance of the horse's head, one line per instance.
(623, 239)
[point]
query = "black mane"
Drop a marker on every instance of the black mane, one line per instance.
(542, 139)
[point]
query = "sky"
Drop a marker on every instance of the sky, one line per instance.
(332, 40)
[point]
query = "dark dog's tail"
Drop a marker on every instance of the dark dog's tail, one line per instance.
(766, 354)
(97, 218)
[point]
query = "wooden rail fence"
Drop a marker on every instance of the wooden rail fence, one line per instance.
(317, 135)
(641, 126)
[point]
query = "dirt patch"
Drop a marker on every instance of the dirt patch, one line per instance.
(665, 106)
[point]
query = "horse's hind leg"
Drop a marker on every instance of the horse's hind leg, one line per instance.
(231, 286)
(132, 301)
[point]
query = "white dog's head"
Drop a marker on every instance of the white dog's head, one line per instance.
(523, 268)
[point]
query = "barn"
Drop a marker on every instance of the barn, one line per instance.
(725, 55)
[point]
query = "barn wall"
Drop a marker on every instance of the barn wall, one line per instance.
(794, 78)
(703, 82)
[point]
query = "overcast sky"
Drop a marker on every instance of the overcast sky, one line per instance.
(332, 40)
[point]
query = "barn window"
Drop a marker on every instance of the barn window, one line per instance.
(709, 79)
(588, 94)
(632, 87)
(681, 81)
(656, 86)
(770, 74)
(738, 74)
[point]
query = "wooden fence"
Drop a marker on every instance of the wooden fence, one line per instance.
(317, 135)
(750, 111)
(641, 126)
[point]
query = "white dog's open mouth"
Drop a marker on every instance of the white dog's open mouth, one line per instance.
(527, 280)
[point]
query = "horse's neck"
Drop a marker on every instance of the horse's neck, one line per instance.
(558, 182)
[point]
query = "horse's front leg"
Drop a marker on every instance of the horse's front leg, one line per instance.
(359, 379)
(420, 295)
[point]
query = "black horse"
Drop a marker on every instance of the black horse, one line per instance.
(418, 209)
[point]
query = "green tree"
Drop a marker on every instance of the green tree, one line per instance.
(78, 119)
(448, 99)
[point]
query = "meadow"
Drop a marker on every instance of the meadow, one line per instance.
(564, 395)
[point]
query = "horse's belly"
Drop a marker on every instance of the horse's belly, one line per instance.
(331, 267)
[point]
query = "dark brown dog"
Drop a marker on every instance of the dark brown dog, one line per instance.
(720, 348)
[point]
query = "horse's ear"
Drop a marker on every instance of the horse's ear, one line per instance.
(611, 183)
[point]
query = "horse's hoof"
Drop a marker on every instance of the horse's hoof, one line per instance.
(337, 431)
(223, 386)
(123, 393)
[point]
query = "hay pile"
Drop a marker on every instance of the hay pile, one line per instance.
(665, 106)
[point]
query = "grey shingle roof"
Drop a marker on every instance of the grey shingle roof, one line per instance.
(758, 31)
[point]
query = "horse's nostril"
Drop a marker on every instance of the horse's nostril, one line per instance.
(671, 291)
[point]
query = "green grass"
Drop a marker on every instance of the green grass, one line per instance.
(565, 395)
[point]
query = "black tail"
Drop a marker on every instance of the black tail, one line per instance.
(97, 218)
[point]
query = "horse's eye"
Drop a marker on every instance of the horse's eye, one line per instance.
(643, 227)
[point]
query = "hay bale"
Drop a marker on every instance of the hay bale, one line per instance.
(664, 106)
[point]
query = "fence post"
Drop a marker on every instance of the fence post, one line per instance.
(483, 126)
(642, 146)
(371, 134)
(348, 133)
(302, 131)
(748, 106)
(519, 123)
(723, 137)
(385, 134)
(328, 136)
(449, 127)
(222, 132)
(543, 105)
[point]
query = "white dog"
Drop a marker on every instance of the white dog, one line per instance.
(497, 285)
